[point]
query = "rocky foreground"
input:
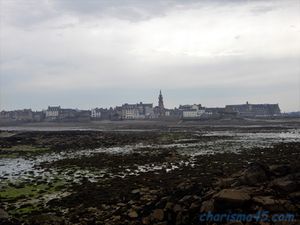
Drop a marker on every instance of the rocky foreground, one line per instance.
(264, 179)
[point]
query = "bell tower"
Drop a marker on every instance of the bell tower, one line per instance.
(160, 101)
(161, 107)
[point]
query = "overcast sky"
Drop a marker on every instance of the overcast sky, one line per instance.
(88, 53)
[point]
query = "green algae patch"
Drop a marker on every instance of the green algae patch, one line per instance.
(22, 192)
(21, 150)
(25, 191)
(25, 209)
(11, 156)
(25, 148)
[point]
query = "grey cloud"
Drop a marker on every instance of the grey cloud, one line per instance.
(83, 58)
(34, 12)
(132, 10)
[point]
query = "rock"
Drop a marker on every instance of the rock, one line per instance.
(274, 204)
(48, 218)
(295, 196)
(121, 204)
(158, 214)
(254, 174)
(208, 195)
(207, 206)
(231, 197)
(169, 205)
(133, 214)
(3, 214)
(135, 191)
(186, 198)
(285, 184)
(184, 186)
(116, 218)
(226, 182)
(162, 223)
(280, 170)
(146, 220)
(264, 200)
(131, 202)
(177, 208)
(194, 205)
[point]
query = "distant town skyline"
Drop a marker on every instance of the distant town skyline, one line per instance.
(86, 54)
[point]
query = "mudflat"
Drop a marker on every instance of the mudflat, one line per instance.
(147, 173)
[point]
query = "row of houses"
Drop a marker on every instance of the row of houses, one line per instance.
(53, 113)
(231, 111)
(195, 111)
(142, 110)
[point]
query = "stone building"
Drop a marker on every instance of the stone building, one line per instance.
(254, 110)
(194, 111)
(96, 113)
(52, 113)
(137, 111)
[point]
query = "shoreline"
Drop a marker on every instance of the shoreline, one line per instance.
(143, 125)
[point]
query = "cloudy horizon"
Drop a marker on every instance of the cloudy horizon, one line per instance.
(85, 54)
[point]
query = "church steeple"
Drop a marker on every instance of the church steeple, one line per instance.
(161, 107)
(160, 101)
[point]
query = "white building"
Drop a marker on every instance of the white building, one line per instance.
(52, 112)
(96, 113)
(137, 111)
(192, 111)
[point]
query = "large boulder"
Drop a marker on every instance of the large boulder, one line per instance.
(274, 204)
(231, 198)
(285, 184)
(254, 174)
(280, 170)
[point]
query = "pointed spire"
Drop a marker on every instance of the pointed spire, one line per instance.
(160, 101)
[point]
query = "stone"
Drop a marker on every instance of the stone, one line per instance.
(295, 195)
(146, 220)
(158, 214)
(226, 182)
(186, 198)
(208, 195)
(264, 200)
(231, 197)
(177, 208)
(3, 214)
(135, 191)
(273, 204)
(254, 174)
(133, 214)
(284, 184)
(169, 205)
(194, 205)
(116, 218)
(131, 202)
(280, 170)
(121, 204)
(162, 223)
(207, 206)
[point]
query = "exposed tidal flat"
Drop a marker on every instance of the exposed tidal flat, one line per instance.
(145, 176)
